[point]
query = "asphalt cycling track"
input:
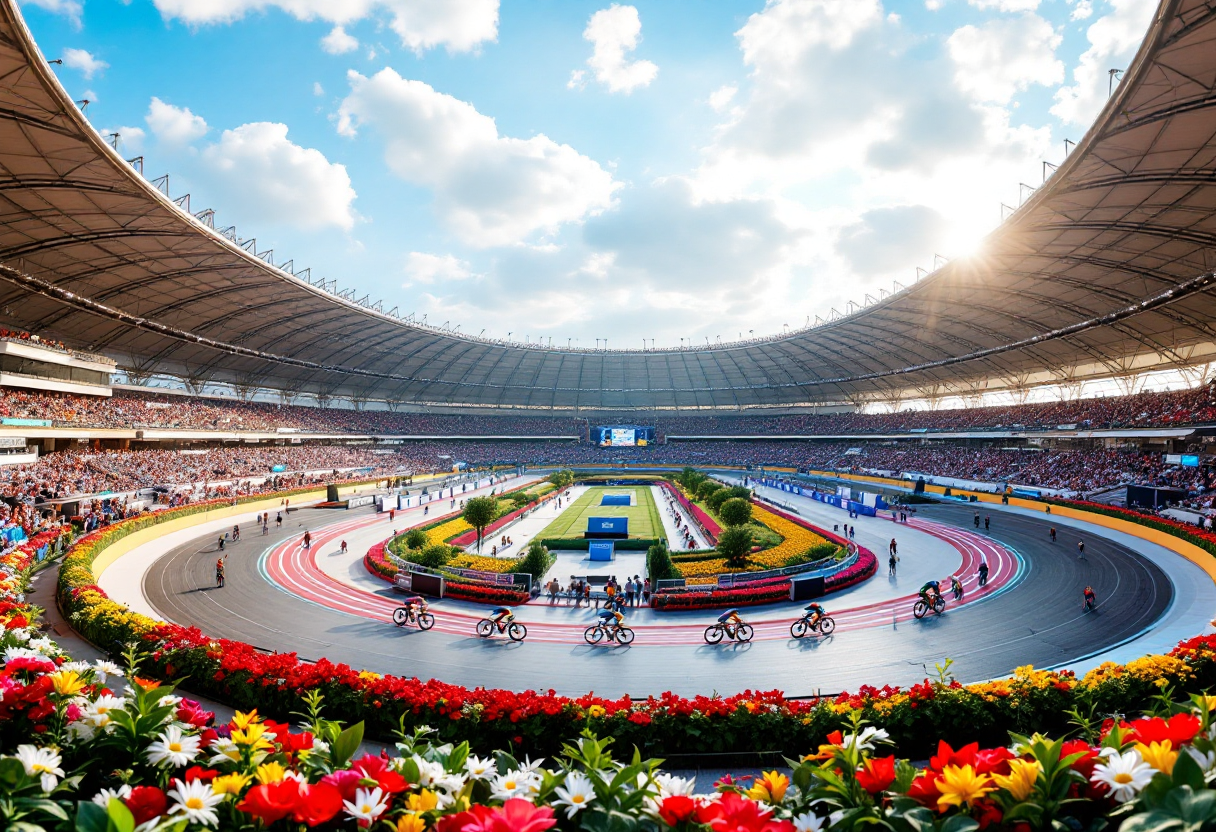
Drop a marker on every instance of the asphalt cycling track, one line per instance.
(1035, 617)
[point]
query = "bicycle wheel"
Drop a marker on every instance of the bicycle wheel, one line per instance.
(798, 628)
(517, 631)
(426, 620)
(919, 609)
(400, 616)
(939, 606)
(713, 634)
(593, 634)
(826, 626)
(745, 632)
(485, 627)
(624, 635)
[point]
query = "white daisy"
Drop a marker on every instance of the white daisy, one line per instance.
(99, 712)
(224, 750)
(808, 822)
(103, 797)
(196, 800)
(43, 763)
(512, 784)
(480, 768)
(105, 669)
(428, 772)
(669, 785)
(866, 740)
(367, 805)
(575, 794)
(1124, 774)
(173, 747)
(21, 634)
(1205, 759)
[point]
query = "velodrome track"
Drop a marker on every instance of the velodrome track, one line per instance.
(1031, 614)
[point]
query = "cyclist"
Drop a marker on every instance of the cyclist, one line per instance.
(502, 617)
(957, 586)
(932, 586)
(344, 547)
(1052, 534)
(730, 620)
(816, 613)
(416, 606)
(983, 573)
(236, 533)
(612, 618)
(219, 572)
(1091, 600)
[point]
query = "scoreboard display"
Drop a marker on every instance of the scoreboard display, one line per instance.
(622, 436)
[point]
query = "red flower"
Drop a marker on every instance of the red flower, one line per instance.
(947, 756)
(377, 768)
(345, 781)
(272, 802)
(736, 813)
(677, 809)
(318, 804)
(877, 775)
(199, 773)
(993, 761)
(516, 815)
(1179, 729)
(924, 789)
(146, 803)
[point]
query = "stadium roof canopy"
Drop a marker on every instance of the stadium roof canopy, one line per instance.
(1105, 270)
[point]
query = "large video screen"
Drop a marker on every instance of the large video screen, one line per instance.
(622, 436)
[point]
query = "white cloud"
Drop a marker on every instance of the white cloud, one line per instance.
(1006, 5)
(274, 180)
(1083, 10)
(317, 89)
(174, 125)
(1113, 39)
(578, 80)
(1004, 56)
(614, 33)
(71, 9)
(338, 41)
(490, 190)
(720, 98)
(457, 25)
(84, 61)
(421, 267)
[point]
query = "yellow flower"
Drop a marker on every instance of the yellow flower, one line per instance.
(770, 788)
(1021, 778)
(596, 711)
(230, 783)
(1159, 755)
(270, 773)
(243, 720)
(1209, 702)
(410, 823)
(67, 682)
(961, 784)
(368, 676)
(424, 801)
(252, 736)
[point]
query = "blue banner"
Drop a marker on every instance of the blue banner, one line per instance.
(601, 550)
(608, 525)
(25, 423)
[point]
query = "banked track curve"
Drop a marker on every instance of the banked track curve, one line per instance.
(278, 599)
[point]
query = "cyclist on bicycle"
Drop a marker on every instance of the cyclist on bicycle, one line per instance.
(957, 587)
(730, 621)
(502, 616)
(416, 605)
(613, 618)
(933, 587)
(814, 613)
(1091, 600)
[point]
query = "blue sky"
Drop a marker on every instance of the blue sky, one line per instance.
(677, 170)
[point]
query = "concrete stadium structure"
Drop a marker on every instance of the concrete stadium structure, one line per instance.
(1106, 270)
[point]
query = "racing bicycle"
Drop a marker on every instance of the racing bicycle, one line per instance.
(714, 633)
(920, 609)
(515, 631)
(409, 615)
(597, 632)
(825, 625)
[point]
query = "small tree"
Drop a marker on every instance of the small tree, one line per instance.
(738, 491)
(690, 478)
(658, 564)
(735, 544)
(562, 479)
(735, 512)
(536, 561)
(708, 487)
(415, 539)
(715, 500)
(480, 512)
(433, 556)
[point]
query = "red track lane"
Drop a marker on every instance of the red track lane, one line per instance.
(294, 570)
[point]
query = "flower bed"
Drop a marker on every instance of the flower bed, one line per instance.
(798, 538)
(708, 524)
(746, 596)
(1191, 534)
